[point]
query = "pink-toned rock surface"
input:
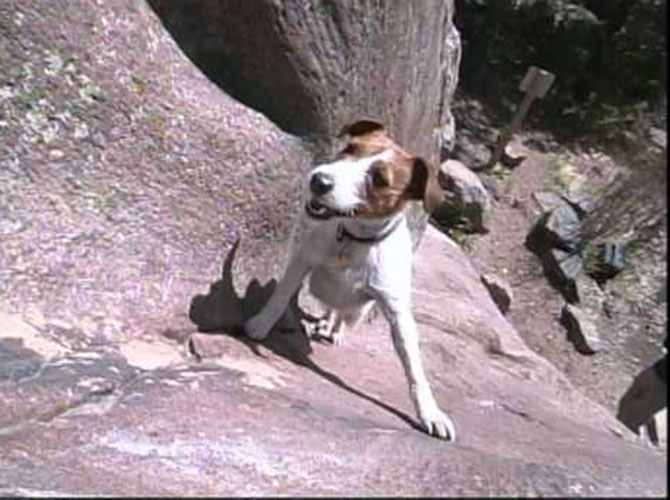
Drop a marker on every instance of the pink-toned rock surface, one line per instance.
(126, 171)
(290, 417)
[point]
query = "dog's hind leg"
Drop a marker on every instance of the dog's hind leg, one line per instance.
(329, 327)
(339, 322)
(338, 329)
(349, 321)
(322, 327)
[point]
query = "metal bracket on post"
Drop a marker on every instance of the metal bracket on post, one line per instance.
(535, 83)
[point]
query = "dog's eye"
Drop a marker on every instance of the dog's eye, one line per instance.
(378, 178)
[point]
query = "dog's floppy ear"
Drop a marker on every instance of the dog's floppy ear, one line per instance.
(424, 185)
(360, 127)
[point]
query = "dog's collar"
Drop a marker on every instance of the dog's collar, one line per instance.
(343, 233)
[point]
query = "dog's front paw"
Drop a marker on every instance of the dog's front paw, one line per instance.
(322, 330)
(317, 328)
(257, 328)
(437, 423)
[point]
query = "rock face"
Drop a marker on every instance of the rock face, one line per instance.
(293, 417)
(582, 331)
(559, 228)
(475, 134)
(589, 295)
(310, 65)
(500, 290)
(125, 173)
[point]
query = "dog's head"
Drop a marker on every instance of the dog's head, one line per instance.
(372, 177)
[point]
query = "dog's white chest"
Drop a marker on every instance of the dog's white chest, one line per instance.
(344, 255)
(340, 278)
(339, 268)
(344, 272)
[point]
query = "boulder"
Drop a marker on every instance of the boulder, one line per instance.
(563, 268)
(475, 135)
(500, 290)
(293, 417)
(471, 151)
(589, 295)
(582, 331)
(578, 197)
(512, 155)
(547, 200)
(312, 67)
(470, 205)
(559, 227)
(133, 155)
(555, 238)
(126, 173)
(309, 67)
(562, 227)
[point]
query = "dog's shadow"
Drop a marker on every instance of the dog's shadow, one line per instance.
(223, 312)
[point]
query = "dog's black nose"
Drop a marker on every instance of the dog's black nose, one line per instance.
(321, 183)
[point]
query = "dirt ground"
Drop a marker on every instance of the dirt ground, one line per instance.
(536, 306)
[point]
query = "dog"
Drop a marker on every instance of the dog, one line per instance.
(357, 249)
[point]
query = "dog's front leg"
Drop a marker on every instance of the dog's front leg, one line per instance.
(260, 325)
(406, 342)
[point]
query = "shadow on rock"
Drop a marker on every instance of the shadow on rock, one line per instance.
(646, 396)
(222, 311)
(237, 45)
(17, 362)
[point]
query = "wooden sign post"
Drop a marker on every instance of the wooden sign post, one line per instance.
(535, 84)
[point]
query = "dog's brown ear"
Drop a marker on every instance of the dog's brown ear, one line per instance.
(424, 185)
(360, 127)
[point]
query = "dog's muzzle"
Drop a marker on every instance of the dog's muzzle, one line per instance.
(320, 184)
(318, 210)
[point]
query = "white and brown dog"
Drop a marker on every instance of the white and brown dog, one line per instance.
(356, 246)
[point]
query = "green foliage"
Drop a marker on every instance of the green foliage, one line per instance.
(603, 260)
(503, 175)
(608, 56)
(462, 239)
(560, 174)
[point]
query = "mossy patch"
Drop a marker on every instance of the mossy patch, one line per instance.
(462, 239)
(561, 175)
